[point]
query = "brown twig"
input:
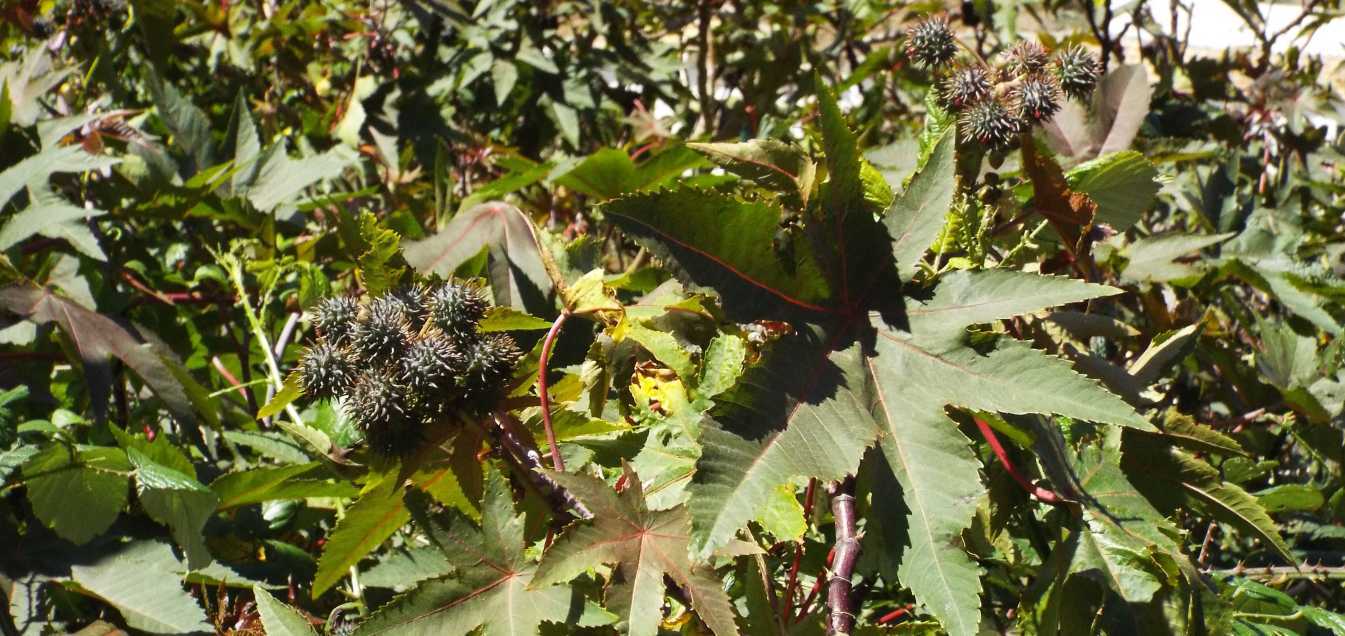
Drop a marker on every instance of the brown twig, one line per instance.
(841, 619)
(519, 447)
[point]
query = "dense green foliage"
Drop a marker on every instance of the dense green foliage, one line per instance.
(713, 317)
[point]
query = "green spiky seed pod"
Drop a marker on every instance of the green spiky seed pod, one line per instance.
(379, 406)
(1036, 99)
(335, 318)
(412, 302)
(383, 334)
(988, 123)
(966, 86)
(1027, 57)
(325, 371)
(1077, 72)
(930, 42)
(490, 362)
(431, 365)
(455, 308)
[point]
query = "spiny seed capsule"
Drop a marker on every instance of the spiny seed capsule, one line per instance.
(1077, 71)
(335, 318)
(1036, 98)
(966, 86)
(378, 401)
(489, 363)
(988, 123)
(1027, 57)
(325, 371)
(383, 334)
(412, 302)
(930, 42)
(431, 364)
(456, 308)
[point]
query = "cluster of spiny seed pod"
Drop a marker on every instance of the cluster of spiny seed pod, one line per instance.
(405, 359)
(995, 105)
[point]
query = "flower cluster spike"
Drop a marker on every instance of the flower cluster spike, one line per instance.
(407, 358)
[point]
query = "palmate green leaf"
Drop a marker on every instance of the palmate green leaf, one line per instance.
(140, 580)
(296, 481)
(493, 588)
(917, 214)
(38, 168)
(818, 414)
(512, 240)
(176, 500)
(893, 386)
(771, 164)
(42, 218)
(611, 172)
(1170, 476)
(722, 243)
(1121, 531)
(1154, 259)
(643, 546)
(278, 618)
(367, 524)
(77, 493)
(1123, 184)
(98, 339)
(406, 567)
(843, 191)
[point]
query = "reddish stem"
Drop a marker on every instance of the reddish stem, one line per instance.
(543, 395)
(806, 607)
(788, 610)
(893, 615)
(841, 619)
(1045, 495)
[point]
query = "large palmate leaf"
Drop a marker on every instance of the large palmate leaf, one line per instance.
(1122, 533)
(643, 546)
(98, 339)
(611, 172)
(893, 386)
(916, 215)
(367, 524)
(719, 242)
(518, 270)
(493, 587)
(772, 164)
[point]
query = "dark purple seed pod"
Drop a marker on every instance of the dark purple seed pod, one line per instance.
(382, 335)
(325, 371)
(965, 86)
(335, 318)
(1077, 71)
(431, 366)
(456, 308)
(490, 362)
(988, 123)
(1027, 57)
(1036, 99)
(930, 42)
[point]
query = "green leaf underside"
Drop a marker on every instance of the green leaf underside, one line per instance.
(917, 215)
(719, 242)
(493, 588)
(505, 229)
(367, 524)
(644, 546)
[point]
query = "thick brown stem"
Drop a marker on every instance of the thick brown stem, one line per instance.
(841, 619)
(520, 448)
(556, 461)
